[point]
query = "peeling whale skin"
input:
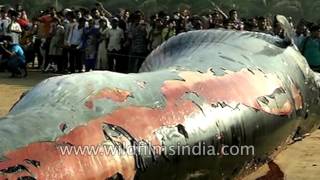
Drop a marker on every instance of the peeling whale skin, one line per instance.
(215, 87)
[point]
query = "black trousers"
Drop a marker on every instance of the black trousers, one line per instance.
(46, 48)
(29, 54)
(135, 61)
(65, 57)
(123, 61)
(59, 61)
(75, 59)
(37, 50)
(114, 61)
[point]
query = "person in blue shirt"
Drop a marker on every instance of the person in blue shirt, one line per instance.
(311, 48)
(90, 45)
(15, 58)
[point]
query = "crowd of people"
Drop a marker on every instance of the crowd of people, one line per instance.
(82, 40)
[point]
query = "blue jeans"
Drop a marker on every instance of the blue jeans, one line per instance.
(15, 65)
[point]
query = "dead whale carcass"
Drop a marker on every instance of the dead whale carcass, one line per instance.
(215, 88)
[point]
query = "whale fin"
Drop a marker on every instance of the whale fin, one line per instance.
(288, 29)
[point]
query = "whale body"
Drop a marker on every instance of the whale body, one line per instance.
(216, 88)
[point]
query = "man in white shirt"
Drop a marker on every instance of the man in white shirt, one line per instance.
(14, 28)
(115, 38)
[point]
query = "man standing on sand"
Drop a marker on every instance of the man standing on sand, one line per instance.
(75, 44)
(115, 38)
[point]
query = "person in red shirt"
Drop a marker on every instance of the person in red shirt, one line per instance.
(44, 32)
(23, 19)
(46, 21)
